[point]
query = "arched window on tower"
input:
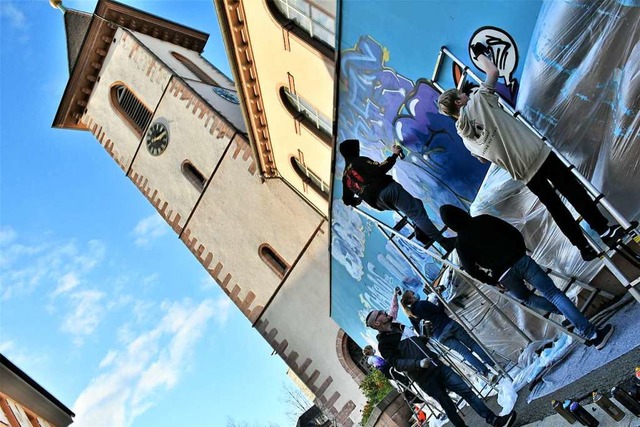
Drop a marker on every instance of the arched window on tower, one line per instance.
(273, 260)
(315, 20)
(199, 73)
(193, 175)
(310, 178)
(130, 108)
(308, 115)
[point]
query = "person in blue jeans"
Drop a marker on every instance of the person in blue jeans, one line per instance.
(366, 180)
(446, 331)
(410, 354)
(493, 251)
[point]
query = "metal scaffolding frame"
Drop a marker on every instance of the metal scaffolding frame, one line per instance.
(598, 196)
(473, 282)
(412, 386)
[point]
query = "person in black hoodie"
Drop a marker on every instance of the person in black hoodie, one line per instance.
(493, 251)
(411, 355)
(372, 184)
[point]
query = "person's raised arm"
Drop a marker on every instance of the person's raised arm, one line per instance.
(491, 70)
(393, 310)
(480, 51)
(385, 166)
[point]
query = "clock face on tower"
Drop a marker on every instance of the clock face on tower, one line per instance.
(157, 138)
(226, 94)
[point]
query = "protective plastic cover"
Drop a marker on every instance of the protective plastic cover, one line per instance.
(572, 68)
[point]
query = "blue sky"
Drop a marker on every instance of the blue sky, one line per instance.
(100, 302)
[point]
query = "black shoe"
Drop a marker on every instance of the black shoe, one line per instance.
(602, 336)
(505, 420)
(588, 253)
(613, 235)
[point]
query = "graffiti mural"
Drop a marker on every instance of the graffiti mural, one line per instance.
(386, 98)
(504, 53)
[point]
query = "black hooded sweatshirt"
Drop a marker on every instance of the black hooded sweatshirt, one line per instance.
(374, 174)
(405, 354)
(487, 246)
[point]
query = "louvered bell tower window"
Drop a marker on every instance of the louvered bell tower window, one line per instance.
(131, 109)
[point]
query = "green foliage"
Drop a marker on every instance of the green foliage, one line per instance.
(375, 388)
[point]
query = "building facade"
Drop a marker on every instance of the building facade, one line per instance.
(25, 403)
(242, 179)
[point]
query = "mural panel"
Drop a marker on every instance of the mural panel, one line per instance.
(388, 51)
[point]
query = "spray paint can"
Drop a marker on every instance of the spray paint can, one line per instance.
(426, 328)
(582, 415)
(608, 406)
(626, 400)
(564, 412)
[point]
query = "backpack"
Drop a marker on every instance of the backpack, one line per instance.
(353, 180)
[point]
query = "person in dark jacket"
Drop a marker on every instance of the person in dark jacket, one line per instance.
(493, 251)
(446, 331)
(411, 355)
(381, 192)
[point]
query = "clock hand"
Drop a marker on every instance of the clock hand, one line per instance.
(159, 136)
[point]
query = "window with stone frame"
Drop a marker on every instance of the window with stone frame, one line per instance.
(193, 175)
(191, 66)
(310, 178)
(305, 113)
(315, 20)
(273, 260)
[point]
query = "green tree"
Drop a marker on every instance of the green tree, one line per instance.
(375, 388)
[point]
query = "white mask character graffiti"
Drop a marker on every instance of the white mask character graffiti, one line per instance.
(504, 51)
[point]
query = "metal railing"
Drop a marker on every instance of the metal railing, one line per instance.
(597, 195)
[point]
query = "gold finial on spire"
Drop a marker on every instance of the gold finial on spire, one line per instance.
(57, 4)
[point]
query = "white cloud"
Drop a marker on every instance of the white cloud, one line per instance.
(7, 235)
(149, 228)
(207, 283)
(132, 379)
(7, 346)
(26, 267)
(222, 306)
(16, 19)
(86, 313)
(14, 15)
(24, 358)
(66, 283)
(108, 359)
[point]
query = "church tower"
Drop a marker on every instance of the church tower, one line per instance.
(174, 124)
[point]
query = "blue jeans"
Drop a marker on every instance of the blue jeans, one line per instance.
(522, 293)
(456, 338)
(395, 198)
(442, 379)
(527, 269)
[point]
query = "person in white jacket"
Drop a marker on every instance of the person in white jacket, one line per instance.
(491, 134)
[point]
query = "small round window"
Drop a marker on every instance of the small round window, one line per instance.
(226, 94)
